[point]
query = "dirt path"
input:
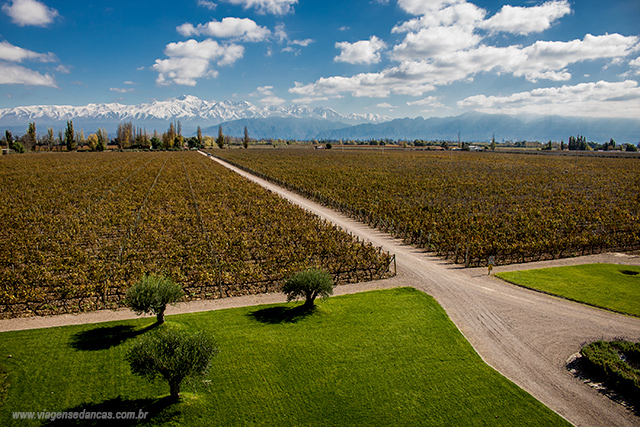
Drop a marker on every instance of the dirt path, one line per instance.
(525, 335)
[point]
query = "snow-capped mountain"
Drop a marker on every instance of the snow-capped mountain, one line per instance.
(190, 110)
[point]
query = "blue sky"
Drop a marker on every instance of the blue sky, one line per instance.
(394, 57)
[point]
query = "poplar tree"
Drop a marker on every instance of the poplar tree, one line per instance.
(245, 141)
(31, 135)
(199, 133)
(220, 139)
(69, 137)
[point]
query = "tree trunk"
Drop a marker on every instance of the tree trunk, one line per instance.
(308, 303)
(174, 388)
(160, 317)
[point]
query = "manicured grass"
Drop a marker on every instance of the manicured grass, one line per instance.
(383, 358)
(610, 286)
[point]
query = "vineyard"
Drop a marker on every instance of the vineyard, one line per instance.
(468, 207)
(78, 229)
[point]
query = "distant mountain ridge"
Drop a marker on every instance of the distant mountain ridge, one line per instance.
(190, 110)
(474, 126)
(304, 123)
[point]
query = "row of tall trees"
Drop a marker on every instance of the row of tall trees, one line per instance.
(69, 139)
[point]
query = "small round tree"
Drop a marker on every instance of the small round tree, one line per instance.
(308, 284)
(152, 294)
(171, 355)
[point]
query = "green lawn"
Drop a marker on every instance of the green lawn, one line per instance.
(610, 286)
(383, 358)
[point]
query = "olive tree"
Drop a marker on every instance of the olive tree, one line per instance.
(172, 355)
(152, 294)
(308, 284)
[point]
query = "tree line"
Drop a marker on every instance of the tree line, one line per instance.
(128, 136)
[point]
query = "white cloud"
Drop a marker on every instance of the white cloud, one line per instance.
(435, 41)
(425, 101)
(30, 12)
(635, 66)
(16, 74)
(9, 52)
(360, 52)
(540, 61)
(280, 33)
(272, 101)
(208, 4)
(448, 42)
(406, 79)
(527, 20)
(121, 90)
(243, 29)
(425, 7)
(460, 14)
(309, 100)
(385, 105)
(601, 99)
(548, 60)
(191, 60)
(262, 91)
(276, 7)
(303, 43)
(281, 36)
(63, 69)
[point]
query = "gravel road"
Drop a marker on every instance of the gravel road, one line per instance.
(525, 335)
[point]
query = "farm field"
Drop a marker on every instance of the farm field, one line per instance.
(611, 286)
(354, 361)
(79, 228)
(468, 207)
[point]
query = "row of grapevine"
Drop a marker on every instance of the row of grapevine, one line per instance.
(79, 228)
(469, 207)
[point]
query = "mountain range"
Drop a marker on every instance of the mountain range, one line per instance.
(190, 110)
(304, 123)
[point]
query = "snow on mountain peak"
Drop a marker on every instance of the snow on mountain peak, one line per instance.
(187, 108)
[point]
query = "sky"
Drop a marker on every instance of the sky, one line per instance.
(399, 58)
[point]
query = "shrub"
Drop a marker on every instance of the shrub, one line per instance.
(308, 284)
(152, 294)
(617, 363)
(171, 355)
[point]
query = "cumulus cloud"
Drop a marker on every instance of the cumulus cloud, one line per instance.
(191, 60)
(243, 29)
(16, 74)
(275, 7)
(460, 14)
(548, 60)
(526, 20)
(360, 52)
(635, 66)
(450, 41)
(30, 12)
(599, 99)
(406, 79)
(9, 52)
(435, 41)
